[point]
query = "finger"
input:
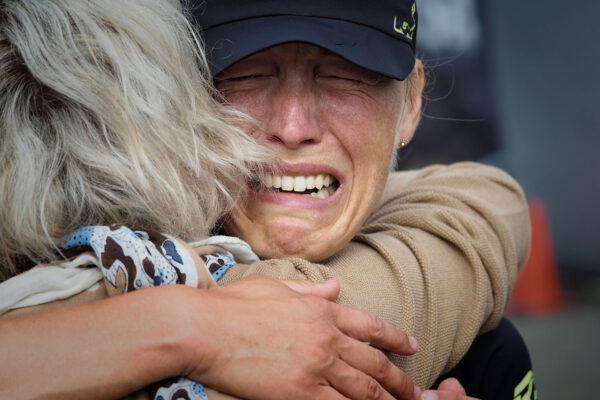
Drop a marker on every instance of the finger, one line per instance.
(328, 290)
(444, 395)
(452, 385)
(355, 384)
(329, 393)
(366, 327)
(375, 364)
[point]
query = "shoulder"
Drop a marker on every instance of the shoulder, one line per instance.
(465, 169)
(460, 180)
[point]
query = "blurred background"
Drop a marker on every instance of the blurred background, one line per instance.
(515, 84)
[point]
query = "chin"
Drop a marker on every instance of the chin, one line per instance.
(284, 236)
(312, 253)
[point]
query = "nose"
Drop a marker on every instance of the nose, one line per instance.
(293, 122)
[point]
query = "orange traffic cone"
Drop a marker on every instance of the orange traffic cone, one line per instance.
(537, 290)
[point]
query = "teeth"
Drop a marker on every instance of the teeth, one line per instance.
(299, 184)
(287, 183)
(323, 193)
(319, 181)
(268, 180)
(322, 182)
(276, 182)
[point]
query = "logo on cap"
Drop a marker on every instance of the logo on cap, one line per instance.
(406, 29)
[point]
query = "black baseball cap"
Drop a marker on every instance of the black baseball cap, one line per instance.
(379, 35)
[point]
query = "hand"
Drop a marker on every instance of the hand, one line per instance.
(273, 342)
(449, 389)
(328, 290)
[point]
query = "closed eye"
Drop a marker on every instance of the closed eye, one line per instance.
(241, 78)
(346, 80)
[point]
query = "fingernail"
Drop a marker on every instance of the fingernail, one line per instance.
(414, 344)
(418, 392)
(429, 395)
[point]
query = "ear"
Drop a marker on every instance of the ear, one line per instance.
(412, 111)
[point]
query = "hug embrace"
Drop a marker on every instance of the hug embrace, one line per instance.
(198, 202)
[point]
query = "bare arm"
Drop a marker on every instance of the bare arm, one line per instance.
(229, 338)
(437, 258)
(92, 350)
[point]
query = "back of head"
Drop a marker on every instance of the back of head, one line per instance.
(107, 116)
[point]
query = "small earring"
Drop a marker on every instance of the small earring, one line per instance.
(403, 143)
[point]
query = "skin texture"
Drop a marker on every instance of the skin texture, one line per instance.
(211, 336)
(321, 114)
(325, 357)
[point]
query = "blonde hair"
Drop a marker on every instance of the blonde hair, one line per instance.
(108, 115)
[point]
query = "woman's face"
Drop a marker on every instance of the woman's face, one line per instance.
(334, 126)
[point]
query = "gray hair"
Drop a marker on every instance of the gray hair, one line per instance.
(108, 115)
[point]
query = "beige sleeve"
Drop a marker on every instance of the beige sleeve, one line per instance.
(438, 258)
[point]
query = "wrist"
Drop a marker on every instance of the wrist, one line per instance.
(186, 343)
(158, 343)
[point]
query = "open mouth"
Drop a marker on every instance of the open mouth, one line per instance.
(319, 186)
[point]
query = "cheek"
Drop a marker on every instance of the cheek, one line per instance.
(243, 101)
(252, 104)
(365, 128)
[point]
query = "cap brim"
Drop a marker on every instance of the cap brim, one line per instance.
(367, 47)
